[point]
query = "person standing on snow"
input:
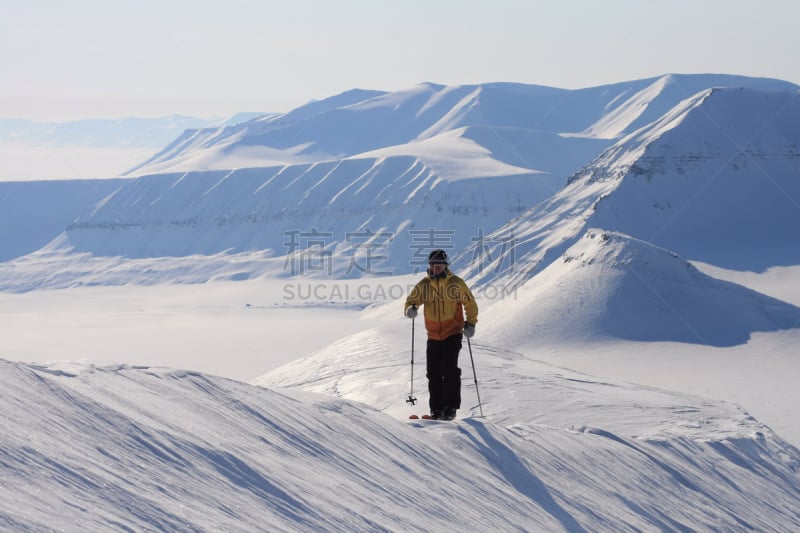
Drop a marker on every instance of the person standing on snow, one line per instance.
(444, 297)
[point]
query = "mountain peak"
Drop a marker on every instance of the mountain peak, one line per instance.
(612, 285)
(432, 85)
(713, 179)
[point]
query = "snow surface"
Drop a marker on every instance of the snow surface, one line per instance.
(153, 448)
(104, 447)
(624, 387)
(610, 285)
(32, 212)
(314, 131)
(713, 180)
(238, 330)
(375, 215)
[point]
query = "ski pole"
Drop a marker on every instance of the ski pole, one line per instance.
(474, 375)
(411, 399)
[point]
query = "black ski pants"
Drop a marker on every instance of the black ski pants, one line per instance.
(444, 376)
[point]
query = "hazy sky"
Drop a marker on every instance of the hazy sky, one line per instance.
(62, 60)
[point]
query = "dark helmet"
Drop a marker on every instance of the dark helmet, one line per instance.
(438, 256)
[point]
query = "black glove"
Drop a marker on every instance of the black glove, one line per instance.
(469, 330)
(411, 312)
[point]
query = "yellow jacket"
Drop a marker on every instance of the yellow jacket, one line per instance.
(442, 300)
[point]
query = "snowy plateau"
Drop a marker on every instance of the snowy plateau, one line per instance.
(213, 340)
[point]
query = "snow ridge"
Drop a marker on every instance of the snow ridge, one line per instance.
(149, 448)
(609, 285)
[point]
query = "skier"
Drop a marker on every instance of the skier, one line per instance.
(444, 298)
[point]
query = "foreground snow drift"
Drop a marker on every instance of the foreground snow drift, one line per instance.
(609, 455)
(88, 448)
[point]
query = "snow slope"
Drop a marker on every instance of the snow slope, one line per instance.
(530, 406)
(633, 105)
(374, 120)
(608, 285)
(723, 169)
(447, 184)
(90, 448)
(253, 209)
(366, 215)
(33, 212)
(713, 180)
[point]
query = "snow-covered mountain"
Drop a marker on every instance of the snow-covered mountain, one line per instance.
(97, 448)
(32, 212)
(438, 166)
(610, 285)
(577, 123)
(323, 443)
(714, 180)
(373, 200)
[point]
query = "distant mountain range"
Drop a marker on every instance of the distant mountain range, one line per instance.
(504, 176)
(92, 148)
(534, 127)
(110, 133)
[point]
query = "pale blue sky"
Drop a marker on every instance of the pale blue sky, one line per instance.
(63, 60)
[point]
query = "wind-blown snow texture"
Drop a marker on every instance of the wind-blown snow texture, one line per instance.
(89, 448)
(652, 443)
